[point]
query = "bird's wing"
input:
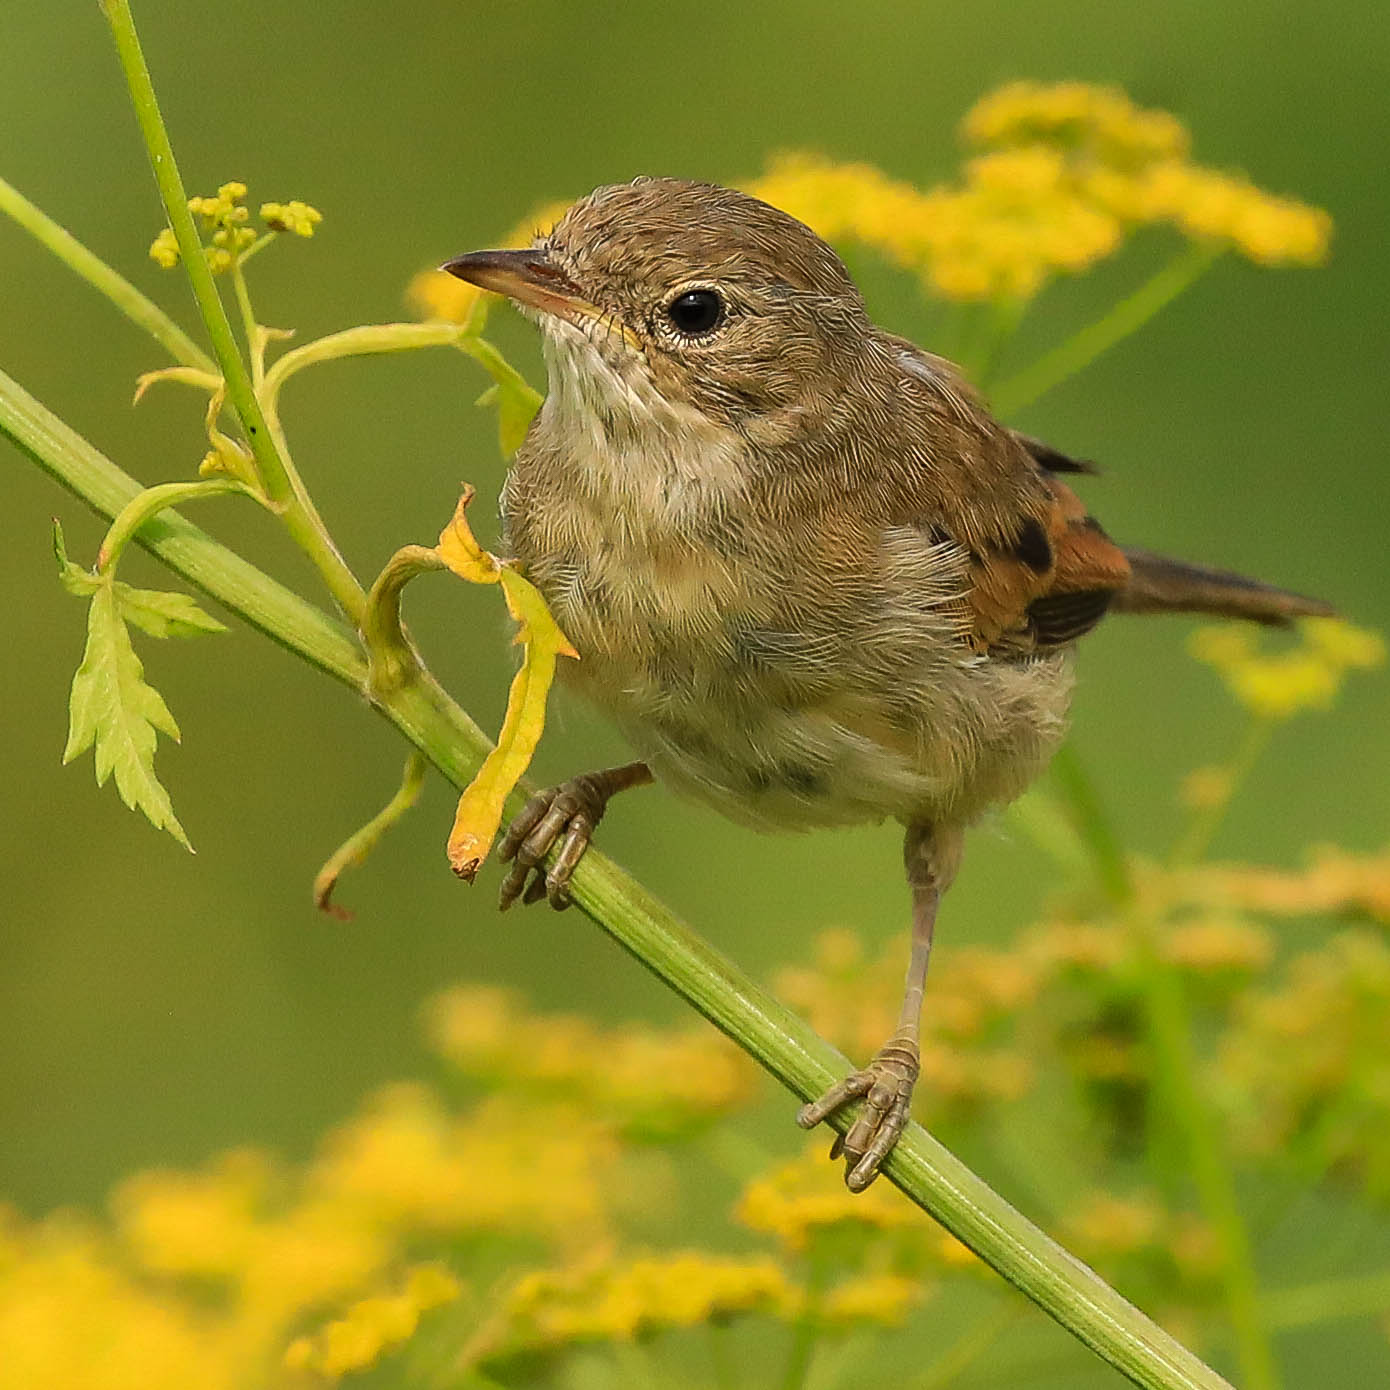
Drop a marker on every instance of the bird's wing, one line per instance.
(1041, 570)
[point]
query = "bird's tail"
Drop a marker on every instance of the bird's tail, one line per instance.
(1160, 585)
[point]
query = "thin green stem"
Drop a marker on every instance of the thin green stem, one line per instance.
(1359, 1296)
(153, 501)
(780, 1041)
(255, 347)
(281, 483)
(1128, 316)
(136, 306)
(1093, 825)
(1178, 1097)
(1182, 1104)
(806, 1330)
(967, 1349)
(1196, 840)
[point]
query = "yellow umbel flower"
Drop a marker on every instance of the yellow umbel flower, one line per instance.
(650, 1082)
(296, 217)
(881, 1300)
(373, 1326)
(1076, 116)
(164, 249)
(805, 1197)
(1281, 684)
(610, 1300)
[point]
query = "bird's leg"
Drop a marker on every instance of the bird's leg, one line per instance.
(567, 813)
(931, 857)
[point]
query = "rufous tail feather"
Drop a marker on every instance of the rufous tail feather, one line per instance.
(1160, 585)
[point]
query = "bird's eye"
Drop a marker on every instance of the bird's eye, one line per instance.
(696, 312)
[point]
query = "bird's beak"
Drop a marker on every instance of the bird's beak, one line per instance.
(529, 278)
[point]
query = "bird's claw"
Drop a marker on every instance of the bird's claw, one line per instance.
(886, 1088)
(566, 815)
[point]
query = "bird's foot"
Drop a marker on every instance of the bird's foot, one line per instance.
(886, 1088)
(566, 815)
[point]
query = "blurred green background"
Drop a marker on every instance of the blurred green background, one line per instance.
(155, 1006)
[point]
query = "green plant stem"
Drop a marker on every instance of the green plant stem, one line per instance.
(1201, 830)
(780, 1041)
(1128, 316)
(1170, 1030)
(967, 1349)
(154, 500)
(1359, 1296)
(136, 306)
(282, 485)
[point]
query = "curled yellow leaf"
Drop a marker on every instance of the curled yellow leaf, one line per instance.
(480, 807)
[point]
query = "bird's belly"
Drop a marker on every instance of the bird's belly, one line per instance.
(788, 728)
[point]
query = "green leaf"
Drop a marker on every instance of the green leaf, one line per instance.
(516, 401)
(73, 577)
(155, 611)
(113, 711)
(164, 614)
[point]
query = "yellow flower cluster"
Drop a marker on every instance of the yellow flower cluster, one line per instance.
(610, 1299)
(70, 1316)
(373, 1326)
(1065, 173)
(224, 218)
(407, 1164)
(1178, 1247)
(1306, 1065)
(296, 217)
(1334, 883)
(882, 1300)
(803, 1198)
(1277, 685)
(650, 1082)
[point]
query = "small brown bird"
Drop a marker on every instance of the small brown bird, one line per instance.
(811, 577)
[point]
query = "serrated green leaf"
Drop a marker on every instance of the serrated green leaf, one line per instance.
(116, 713)
(73, 577)
(164, 614)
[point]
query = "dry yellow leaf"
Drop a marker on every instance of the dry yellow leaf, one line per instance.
(480, 807)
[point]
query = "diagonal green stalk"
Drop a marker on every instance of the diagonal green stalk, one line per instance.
(282, 485)
(1128, 316)
(134, 304)
(781, 1042)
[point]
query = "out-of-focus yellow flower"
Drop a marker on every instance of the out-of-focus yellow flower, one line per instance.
(1277, 685)
(202, 1224)
(1334, 882)
(607, 1299)
(537, 223)
(647, 1081)
(1206, 787)
(296, 217)
(805, 1197)
(882, 1300)
(1178, 1247)
(71, 1317)
(510, 1166)
(373, 1326)
(1098, 121)
(1219, 945)
(435, 295)
(1306, 1064)
(1066, 172)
